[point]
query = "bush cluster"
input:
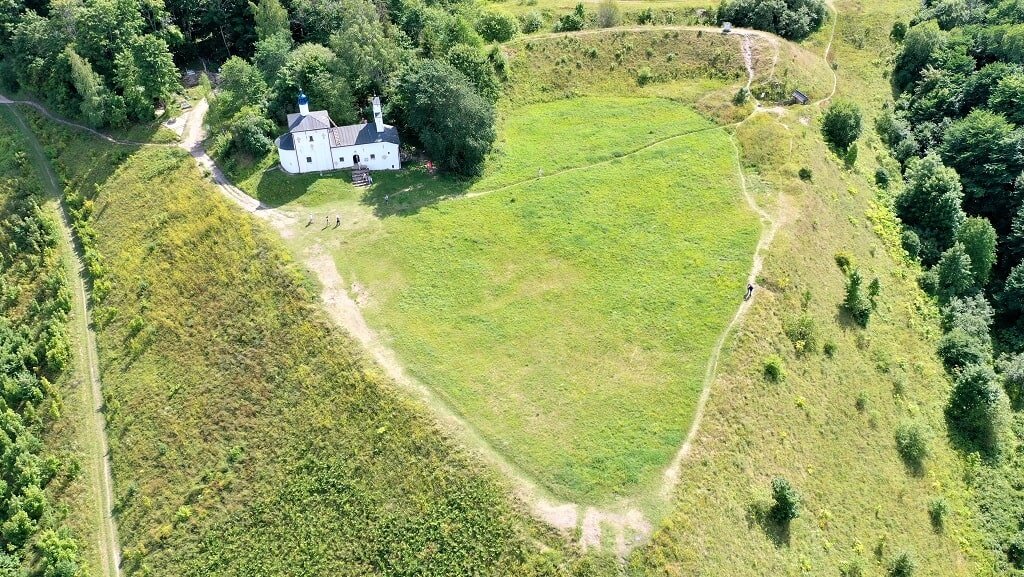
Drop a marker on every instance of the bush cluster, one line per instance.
(792, 19)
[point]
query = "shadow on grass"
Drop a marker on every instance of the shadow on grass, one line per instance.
(405, 192)
(759, 514)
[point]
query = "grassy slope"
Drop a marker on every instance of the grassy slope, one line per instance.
(861, 501)
(72, 497)
(247, 437)
(568, 319)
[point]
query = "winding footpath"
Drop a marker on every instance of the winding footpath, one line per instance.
(624, 519)
(87, 361)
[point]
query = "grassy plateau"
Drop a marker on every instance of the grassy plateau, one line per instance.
(568, 317)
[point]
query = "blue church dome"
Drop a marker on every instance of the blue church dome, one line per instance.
(303, 99)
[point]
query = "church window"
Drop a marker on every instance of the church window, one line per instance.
(311, 138)
(309, 159)
(372, 156)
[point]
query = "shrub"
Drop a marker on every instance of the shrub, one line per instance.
(572, 21)
(850, 158)
(851, 568)
(911, 243)
(773, 369)
(644, 75)
(862, 402)
(955, 274)
(608, 14)
(975, 408)
(903, 565)
(250, 131)
(1011, 368)
(913, 442)
(845, 262)
(958, 349)
(805, 174)
(938, 509)
(856, 303)
(531, 22)
(898, 32)
(495, 26)
(802, 333)
(829, 349)
(882, 178)
(841, 125)
(786, 501)
(741, 96)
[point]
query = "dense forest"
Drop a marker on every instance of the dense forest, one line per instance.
(956, 133)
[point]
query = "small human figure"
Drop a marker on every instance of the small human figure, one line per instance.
(750, 292)
(369, 178)
(337, 221)
(386, 197)
(540, 172)
(310, 223)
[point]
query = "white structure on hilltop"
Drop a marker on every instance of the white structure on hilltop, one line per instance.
(313, 143)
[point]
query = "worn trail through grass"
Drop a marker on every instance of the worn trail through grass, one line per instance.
(86, 359)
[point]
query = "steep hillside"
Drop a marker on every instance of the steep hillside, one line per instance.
(828, 425)
(247, 435)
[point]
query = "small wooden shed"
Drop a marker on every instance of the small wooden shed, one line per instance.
(800, 97)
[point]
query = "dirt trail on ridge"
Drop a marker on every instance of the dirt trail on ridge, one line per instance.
(87, 361)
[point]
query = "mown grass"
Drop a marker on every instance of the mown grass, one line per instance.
(247, 435)
(568, 318)
(829, 426)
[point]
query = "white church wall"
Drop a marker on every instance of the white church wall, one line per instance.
(375, 156)
(314, 150)
(289, 161)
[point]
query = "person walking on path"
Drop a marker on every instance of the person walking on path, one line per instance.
(310, 223)
(337, 221)
(750, 291)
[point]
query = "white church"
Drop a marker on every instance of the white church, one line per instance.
(313, 142)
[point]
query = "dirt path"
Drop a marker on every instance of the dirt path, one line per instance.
(828, 49)
(87, 361)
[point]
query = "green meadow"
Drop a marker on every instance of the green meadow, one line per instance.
(569, 317)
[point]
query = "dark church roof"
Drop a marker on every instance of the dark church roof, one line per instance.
(285, 142)
(354, 134)
(317, 120)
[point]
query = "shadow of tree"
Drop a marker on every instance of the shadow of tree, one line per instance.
(759, 514)
(406, 192)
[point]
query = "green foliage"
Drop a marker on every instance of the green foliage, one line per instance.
(454, 123)
(317, 71)
(786, 502)
(841, 124)
(802, 332)
(644, 75)
(250, 132)
(958, 349)
(805, 174)
(938, 510)
(985, 151)
(472, 63)
(857, 304)
(955, 274)
(270, 18)
(921, 41)
(976, 408)
(913, 441)
(59, 553)
(930, 206)
(531, 22)
(910, 243)
(850, 157)
(242, 85)
(1012, 297)
(791, 19)
(773, 369)
(1007, 97)
(609, 14)
(572, 21)
(903, 565)
(845, 262)
(1011, 369)
(496, 26)
(898, 31)
(979, 240)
